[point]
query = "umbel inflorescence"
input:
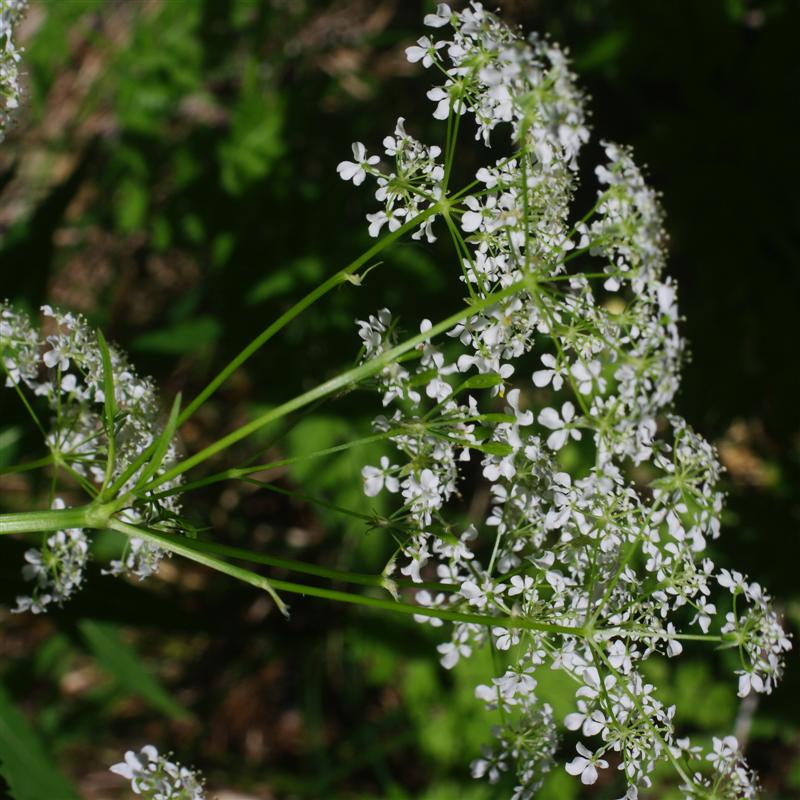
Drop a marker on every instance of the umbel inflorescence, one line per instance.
(66, 368)
(156, 777)
(10, 13)
(590, 572)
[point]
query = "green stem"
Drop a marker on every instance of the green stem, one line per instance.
(30, 465)
(183, 547)
(410, 609)
(379, 581)
(335, 280)
(243, 472)
(44, 521)
(342, 276)
(351, 376)
(193, 550)
(645, 716)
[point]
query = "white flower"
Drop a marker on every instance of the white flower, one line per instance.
(451, 652)
(472, 220)
(373, 330)
(158, 778)
(56, 570)
(674, 647)
(560, 425)
(440, 18)
(590, 721)
(587, 375)
(543, 377)
(356, 170)
(442, 100)
(749, 681)
(520, 584)
(734, 581)
(423, 494)
(376, 478)
(619, 657)
(380, 218)
(585, 764)
(724, 750)
(424, 50)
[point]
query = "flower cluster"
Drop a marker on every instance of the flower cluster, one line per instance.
(62, 368)
(731, 778)
(56, 569)
(590, 572)
(10, 13)
(758, 633)
(155, 777)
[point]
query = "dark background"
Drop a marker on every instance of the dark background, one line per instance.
(172, 176)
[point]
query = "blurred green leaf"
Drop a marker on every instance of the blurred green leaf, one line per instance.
(9, 440)
(255, 141)
(24, 762)
(121, 661)
(181, 338)
(287, 278)
(130, 206)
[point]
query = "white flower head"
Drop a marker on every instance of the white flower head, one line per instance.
(158, 778)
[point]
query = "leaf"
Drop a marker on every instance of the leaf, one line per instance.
(485, 381)
(183, 337)
(9, 444)
(492, 448)
(492, 417)
(24, 762)
(121, 661)
(423, 378)
(162, 443)
(110, 406)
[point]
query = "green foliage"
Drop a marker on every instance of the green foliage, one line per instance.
(122, 661)
(254, 142)
(24, 761)
(181, 338)
(160, 68)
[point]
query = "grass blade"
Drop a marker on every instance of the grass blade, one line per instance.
(122, 661)
(24, 762)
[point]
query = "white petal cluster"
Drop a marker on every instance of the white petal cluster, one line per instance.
(405, 192)
(10, 13)
(19, 347)
(757, 630)
(730, 777)
(61, 367)
(56, 569)
(155, 777)
(603, 568)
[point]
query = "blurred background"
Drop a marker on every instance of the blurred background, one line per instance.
(171, 175)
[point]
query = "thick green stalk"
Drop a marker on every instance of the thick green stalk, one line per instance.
(191, 549)
(289, 564)
(44, 521)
